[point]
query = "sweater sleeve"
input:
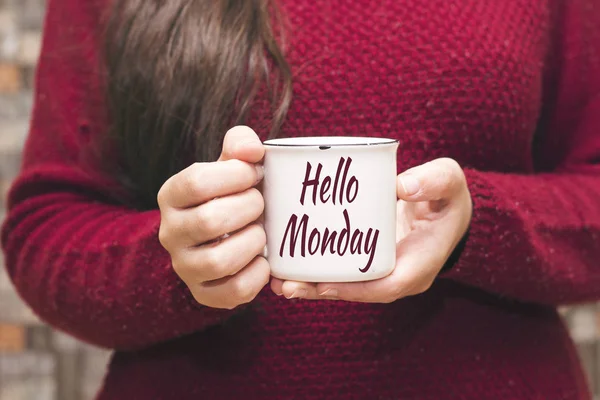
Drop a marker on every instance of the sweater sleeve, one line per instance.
(84, 263)
(536, 238)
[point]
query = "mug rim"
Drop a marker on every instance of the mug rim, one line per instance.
(329, 141)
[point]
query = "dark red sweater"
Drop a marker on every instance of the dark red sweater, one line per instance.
(511, 89)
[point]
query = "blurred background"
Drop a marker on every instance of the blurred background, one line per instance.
(38, 363)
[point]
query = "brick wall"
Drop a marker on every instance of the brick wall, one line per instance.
(37, 363)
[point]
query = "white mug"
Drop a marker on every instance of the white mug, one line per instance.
(330, 208)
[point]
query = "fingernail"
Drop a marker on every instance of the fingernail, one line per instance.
(260, 172)
(298, 294)
(329, 293)
(279, 294)
(410, 184)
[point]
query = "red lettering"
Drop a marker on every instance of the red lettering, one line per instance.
(353, 184)
(337, 177)
(310, 182)
(324, 189)
(344, 179)
(328, 240)
(357, 238)
(291, 227)
(314, 234)
(355, 241)
(345, 233)
(370, 247)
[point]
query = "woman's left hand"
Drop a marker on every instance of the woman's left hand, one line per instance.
(434, 211)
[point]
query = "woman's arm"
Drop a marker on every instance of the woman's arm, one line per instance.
(85, 264)
(537, 238)
(533, 238)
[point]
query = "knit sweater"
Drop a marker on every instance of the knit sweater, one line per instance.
(510, 89)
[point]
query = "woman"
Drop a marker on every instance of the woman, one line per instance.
(496, 106)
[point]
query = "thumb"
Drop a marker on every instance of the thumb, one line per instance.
(242, 143)
(436, 180)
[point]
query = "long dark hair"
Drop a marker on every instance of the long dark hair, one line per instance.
(182, 72)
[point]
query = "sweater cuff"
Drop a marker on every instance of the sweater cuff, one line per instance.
(464, 262)
(460, 247)
(456, 253)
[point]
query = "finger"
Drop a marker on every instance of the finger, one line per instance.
(217, 217)
(242, 143)
(276, 286)
(364, 292)
(201, 182)
(223, 258)
(436, 180)
(231, 291)
(299, 290)
(291, 289)
(422, 254)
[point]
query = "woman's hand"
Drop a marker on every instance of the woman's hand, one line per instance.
(201, 206)
(434, 211)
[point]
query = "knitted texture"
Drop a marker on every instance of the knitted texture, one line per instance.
(507, 88)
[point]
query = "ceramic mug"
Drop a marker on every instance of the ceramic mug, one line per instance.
(330, 208)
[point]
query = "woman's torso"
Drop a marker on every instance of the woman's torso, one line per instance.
(462, 79)
(450, 343)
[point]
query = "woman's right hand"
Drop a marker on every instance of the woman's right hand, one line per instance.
(207, 201)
